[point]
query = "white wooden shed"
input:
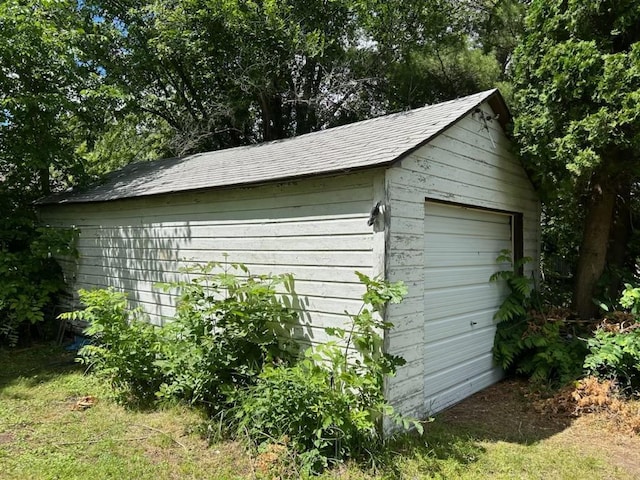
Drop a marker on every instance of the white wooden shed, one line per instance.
(453, 197)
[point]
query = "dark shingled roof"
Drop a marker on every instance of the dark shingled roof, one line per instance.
(371, 143)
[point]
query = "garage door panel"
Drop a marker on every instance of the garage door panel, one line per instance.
(444, 210)
(448, 397)
(459, 301)
(455, 325)
(476, 229)
(461, 247)
(473, 259)
(439, 380)
(444, 355)
(463, 241)
(447, 277)
(440, 243)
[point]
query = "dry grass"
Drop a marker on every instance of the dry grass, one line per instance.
(590, 418)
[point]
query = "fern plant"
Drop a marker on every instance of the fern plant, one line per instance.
(520, 287)
(529, 342)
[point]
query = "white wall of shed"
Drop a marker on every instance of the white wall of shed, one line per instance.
(466, 164)
(315, 229)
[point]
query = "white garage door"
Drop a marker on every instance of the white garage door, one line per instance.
(461, 246)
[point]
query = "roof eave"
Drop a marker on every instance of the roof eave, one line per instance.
(50, 200)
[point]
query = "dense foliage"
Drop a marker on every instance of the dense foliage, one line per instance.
(538, 342)
(225, 331)
(543, 346)
(87, 87)
(231, 350)
(614, 349)
(226, 73)
(331, 404)
(615, 354)
(29, 276)
(577, 84)
(49, 95)
(126, 347)
(546, 345)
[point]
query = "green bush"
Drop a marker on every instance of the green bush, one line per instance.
(29, 277)
(614, 349)
(226, 329)
(230, 349)
(125, 349)
(299, 403)
(331, 404)
(615, 356)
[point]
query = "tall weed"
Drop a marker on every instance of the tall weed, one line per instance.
(329, 406)
(125, 349)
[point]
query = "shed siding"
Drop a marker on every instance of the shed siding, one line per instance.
(315, 228)
(466, 164)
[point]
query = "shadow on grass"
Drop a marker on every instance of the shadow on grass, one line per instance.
(506, 412)
(44, 363)
(35, 365)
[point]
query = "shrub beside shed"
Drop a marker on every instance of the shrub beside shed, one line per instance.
(429, 196)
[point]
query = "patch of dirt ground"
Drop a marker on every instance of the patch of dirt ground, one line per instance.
(511, 411)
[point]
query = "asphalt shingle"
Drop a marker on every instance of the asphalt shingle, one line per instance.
(370, 143)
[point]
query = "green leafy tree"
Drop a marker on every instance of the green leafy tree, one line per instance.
(577, 78)
(126, 138)
(49, 90)
(430, 51)
(497, 26)
(225, 73)
(50, 95)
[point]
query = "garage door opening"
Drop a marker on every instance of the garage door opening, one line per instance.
(460, 249)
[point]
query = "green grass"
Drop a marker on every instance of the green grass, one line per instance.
(42, 437)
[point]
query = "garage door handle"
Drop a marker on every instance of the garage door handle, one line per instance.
(474, 323)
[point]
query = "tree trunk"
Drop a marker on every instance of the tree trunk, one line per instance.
(619, 239)
(595, 238)
(272, 122)
(266, 118)
(45, 186)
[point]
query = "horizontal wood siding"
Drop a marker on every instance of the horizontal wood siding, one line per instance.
(315, 229)
(466, 164)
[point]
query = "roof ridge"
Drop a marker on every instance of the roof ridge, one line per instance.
(484, 93)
